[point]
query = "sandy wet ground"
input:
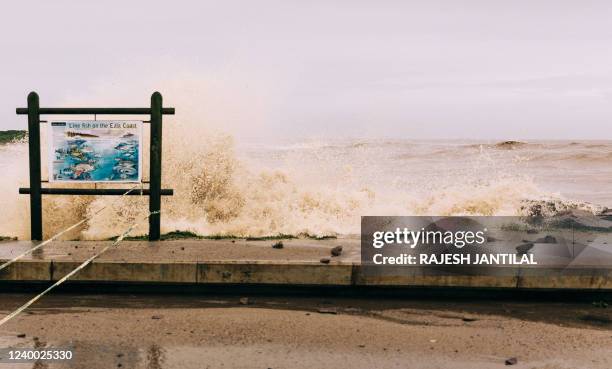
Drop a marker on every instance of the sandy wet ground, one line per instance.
(124, 331)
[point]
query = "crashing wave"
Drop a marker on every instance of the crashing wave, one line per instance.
(309, 190)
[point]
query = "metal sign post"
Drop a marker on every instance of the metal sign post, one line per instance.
(155, 161)
(34, 111)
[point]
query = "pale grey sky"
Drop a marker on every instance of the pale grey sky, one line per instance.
(412, 69)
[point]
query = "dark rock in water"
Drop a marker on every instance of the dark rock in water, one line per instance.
(21, 335)
(511, 361)
(509, 145)
(336, 251)
(605, 213)
(325, 260)
(523, 248)
(582, 222)
(156, 317)
(468, 319)
(546, 239)
(562, 214)
(553, 207)
(278, 245)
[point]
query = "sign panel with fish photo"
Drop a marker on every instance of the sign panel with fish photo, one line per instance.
(95, 151)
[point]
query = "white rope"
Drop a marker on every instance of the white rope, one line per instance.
(75, 271)
(65, 230)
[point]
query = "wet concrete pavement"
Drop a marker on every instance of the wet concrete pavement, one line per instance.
(147, 331)
(298, 262)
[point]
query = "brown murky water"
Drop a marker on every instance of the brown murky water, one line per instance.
(324, 187)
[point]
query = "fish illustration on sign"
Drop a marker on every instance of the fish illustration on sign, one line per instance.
(95, 151)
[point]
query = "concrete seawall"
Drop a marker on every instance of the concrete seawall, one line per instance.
(218, 262)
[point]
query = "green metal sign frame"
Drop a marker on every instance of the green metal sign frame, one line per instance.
(156, 112)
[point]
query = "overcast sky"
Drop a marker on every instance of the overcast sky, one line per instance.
(410, 69)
